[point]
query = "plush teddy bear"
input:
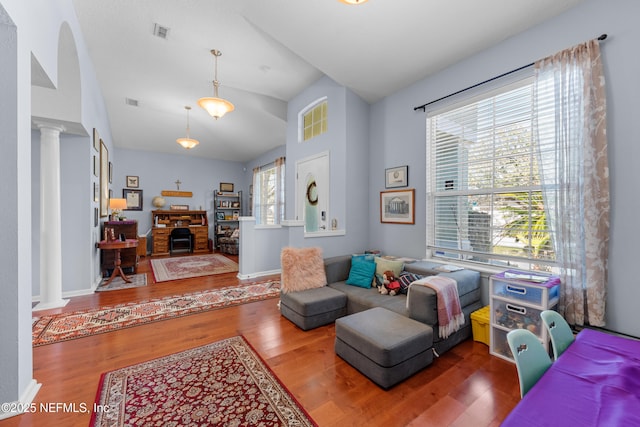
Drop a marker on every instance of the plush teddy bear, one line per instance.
(390, 285)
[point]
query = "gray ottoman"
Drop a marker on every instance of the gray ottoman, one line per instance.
(313, 307)
(385, 346)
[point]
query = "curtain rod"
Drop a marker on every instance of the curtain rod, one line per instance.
(423, 107)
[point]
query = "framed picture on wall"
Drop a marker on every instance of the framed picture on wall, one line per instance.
(96, 165)
(397, 207)
(134, 199)
(104, 180)
(226, 187)
(96, 192)
(133, 181)
(96, 140)
(396, 177)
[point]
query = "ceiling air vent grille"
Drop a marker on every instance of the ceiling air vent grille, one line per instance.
(132, 102)
(160, 31)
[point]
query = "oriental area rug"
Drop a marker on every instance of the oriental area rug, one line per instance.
(225, 383)
(137, 280)
(63, 327)
(165, 269)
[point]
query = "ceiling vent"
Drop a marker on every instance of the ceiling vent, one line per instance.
(132, 102)
(160, 31)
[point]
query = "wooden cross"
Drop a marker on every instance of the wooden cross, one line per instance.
(178, 184)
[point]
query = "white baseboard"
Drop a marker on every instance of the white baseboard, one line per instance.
(258, 274)
(70, 294)
(25, 402)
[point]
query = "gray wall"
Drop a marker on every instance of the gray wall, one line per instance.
(398, 134)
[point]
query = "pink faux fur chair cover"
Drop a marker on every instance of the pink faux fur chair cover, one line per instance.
(302, 268)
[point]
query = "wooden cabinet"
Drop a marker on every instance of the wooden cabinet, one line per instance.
(227, 209)
(516, 303)
(129, 256)
(165, 221)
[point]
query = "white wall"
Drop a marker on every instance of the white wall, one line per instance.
(398, 134)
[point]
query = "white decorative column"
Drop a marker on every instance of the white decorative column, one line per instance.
(50, 218)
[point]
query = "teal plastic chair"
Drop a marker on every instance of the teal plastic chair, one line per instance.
(532, 360)
(559, 330)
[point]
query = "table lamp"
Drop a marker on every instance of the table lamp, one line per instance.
(117, 206)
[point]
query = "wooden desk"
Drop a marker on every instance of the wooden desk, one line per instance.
(165, 221)
(117, 246)
(595, 382)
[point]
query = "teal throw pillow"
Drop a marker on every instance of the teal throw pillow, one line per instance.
(361, 273)
(363, 257)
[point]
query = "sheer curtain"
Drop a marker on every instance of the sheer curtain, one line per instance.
(569, 96)
(268, 192)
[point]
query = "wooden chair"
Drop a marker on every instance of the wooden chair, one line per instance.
(559, 330)
(531, 357)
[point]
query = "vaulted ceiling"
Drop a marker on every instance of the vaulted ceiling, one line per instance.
(271, 50)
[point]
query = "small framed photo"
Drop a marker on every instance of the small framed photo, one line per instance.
(96, 192)
(134, 199)
(397, 207)
(226, 187)
(96, 140)
(110, 173)
(236, 215)
(96, 165)
(396, 177)
(220, 216)
(133, 181)
(95, 217)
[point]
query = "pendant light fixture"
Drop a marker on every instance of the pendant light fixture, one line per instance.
(187, 142)
(353, 1)
(216, 106)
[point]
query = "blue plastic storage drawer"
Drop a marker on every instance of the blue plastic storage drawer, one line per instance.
(524, 292)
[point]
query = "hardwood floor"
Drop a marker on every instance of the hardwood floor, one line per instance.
(464, 387)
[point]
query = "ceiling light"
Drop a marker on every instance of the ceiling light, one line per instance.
(215, 106)
(187, 142)
(353, 1)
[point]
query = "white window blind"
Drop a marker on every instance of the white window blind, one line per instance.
(484, 192)
(268, 188)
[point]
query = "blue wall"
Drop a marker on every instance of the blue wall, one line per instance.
(346, 140)
(397, 134)
(159, 171)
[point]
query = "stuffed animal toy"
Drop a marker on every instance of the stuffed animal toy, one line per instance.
(391, 285)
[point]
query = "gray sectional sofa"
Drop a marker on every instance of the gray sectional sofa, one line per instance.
(315, 307)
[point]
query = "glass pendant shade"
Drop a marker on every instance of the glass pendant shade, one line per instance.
(216, 107)
(186, 142)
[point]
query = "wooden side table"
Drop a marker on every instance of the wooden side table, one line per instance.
(117, 246)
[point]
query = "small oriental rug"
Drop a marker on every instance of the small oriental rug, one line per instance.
(117, 283)
(225, 383)
(63, 327)
(165, 269)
